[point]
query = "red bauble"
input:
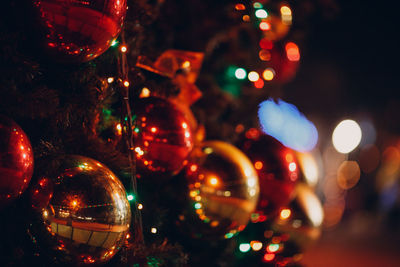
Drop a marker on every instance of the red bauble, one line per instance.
(277, 171)
(281, 58)
(163, 139)
(79, 30)
(16, 160)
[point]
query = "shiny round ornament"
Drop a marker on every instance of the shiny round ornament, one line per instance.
(16, 161)
(277, 170)
(79, 30)
(87, 214)
(303, 218)
(223, 191)
(163, 138)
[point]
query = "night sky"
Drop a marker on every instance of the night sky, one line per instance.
(350, 63)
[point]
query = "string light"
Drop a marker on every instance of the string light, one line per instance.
(285, 213)
(261, 14)
(119, 128)
(269, 257)
(145, 92)
(257, 5)
(258, 165)
(253, 76)
(140, 206)
(259, 83)
(240, 73)
(124, 49)
(110, 80)
(244, 247)
(273, 248)
(292, 51)
(265, 26)
(154, 230)
(213, 181)
(130, 197)
(268, 74)
(126, 83)
(256, 245)
(240, 7)
(292, 167)
(114, 42)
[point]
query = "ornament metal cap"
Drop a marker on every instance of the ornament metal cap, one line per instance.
(172, 61)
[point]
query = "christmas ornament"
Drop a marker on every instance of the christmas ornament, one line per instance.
(276, 168)
(281, 60)
(223, 191)
(163, 139)
(302, 219)
(87, 215)
(183, 67)
(281, 242)
(16, 160)
(79, 31)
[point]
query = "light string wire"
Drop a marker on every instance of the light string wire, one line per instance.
(129, 137)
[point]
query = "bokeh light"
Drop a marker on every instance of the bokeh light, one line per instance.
(244, 247)
(292, 51)
(346, 136)
(240, 73)
(284, 122)
(253, 76)
(268, 74)
(348, 174)
(265, 26)
(261, 14)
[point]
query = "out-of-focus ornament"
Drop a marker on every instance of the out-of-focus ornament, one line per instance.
(223, 192)
(281, 60)
(282, 242)
(302, 219)
(277, 171)
(16, 160)
(79, 31)
(87, 215)
(163, 138)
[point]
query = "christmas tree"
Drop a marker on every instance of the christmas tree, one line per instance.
(153, 133)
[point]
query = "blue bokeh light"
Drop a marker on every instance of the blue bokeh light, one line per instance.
(284, 122)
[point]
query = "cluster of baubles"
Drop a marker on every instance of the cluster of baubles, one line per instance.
(82, 211)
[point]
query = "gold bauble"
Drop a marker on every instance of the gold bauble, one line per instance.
(302, 219)
(223, 191)
(88, 215)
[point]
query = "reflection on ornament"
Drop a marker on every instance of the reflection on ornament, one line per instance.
(87, 216)
(277, 170)
(223, 191)
(41, 193)
(163, 139)
(79, 31)
(16, 161)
